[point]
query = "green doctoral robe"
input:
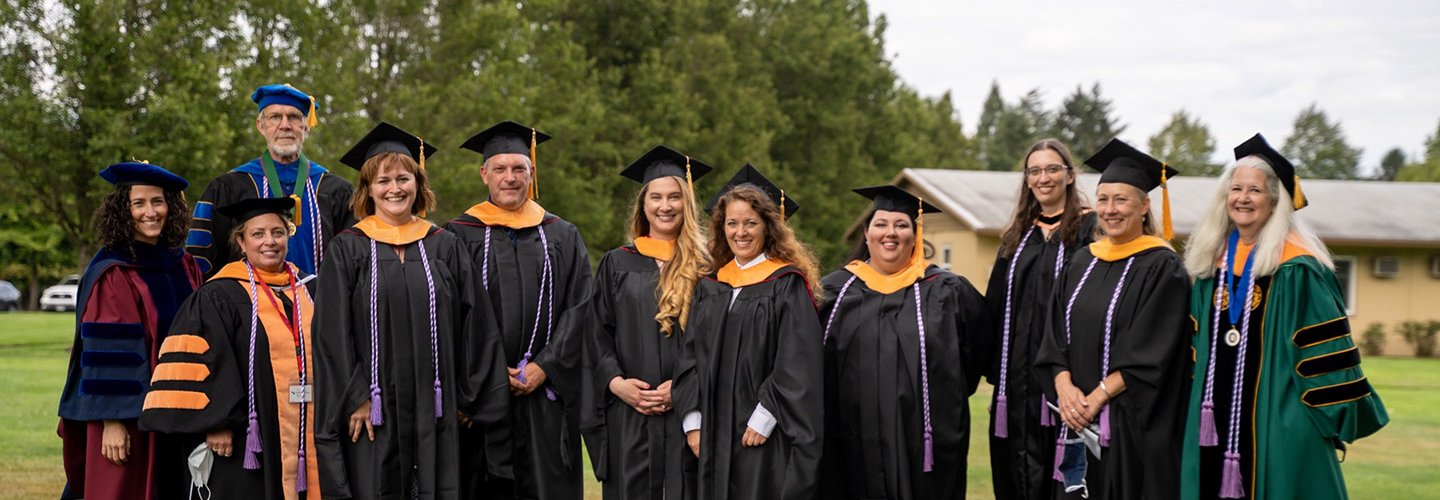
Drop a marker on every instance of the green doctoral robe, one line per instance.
(1310, 393)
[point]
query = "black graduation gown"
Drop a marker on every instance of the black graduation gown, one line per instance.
(874, 408)
(764, 349)
(1021, 464)
(535, 452)
(1149, 347)
(634, 456)
(219, 313)
(411, 441)
(209, 239)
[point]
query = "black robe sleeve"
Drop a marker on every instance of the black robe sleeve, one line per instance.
(600, 365)
(561, 356)
(976, 335)
(209, 235)
(200, 347)
(794, 392)
(485, 391)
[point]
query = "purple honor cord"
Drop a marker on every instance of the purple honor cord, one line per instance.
(836, 308)
(376, 414)
(434, 330)
(1002, 411)
(924, 383)
(252, 429)
(1109, 317)
(547, 296)
(1230, 477)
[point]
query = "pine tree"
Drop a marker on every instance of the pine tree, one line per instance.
(1318, 149)
(1186, 143)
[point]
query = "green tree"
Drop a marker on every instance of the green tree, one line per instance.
(1084, 122)
(1318, 148)
(1016, 128)
(1391, 164)
(1428, 168)
(1186, 143)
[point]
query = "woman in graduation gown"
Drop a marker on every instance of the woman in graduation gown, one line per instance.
(1277, 385)
(640, 302)
(404, 337)
(1051, 223)
(1114, 350)
(750, 387)
(127, 297)
(235, 371)
(905, 346)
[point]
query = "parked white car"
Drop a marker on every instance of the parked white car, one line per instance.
(61, 297)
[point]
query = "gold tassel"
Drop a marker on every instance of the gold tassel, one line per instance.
(1169, 228)
(1298, 201)
(310, 120)
(689, 181)
(534, 169)
(422, 166)
(295, 215)
(782, 204)
(917, 254)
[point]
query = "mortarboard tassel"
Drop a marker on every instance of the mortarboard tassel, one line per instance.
(688, 181)
(422, 165)
(782, 204)
(1169, 231)
(535, 170)
(1298, 201)
(295, 213)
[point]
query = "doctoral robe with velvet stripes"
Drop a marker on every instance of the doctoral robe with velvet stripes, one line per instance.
(202, 383)
(123, 312)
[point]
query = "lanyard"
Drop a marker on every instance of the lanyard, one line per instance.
(293, 323)
(1230, 277)
(273, 178)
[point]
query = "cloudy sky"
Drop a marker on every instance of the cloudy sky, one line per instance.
(1240, 66)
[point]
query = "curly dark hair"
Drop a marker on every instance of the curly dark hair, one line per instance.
(780, 240)
(115, 227)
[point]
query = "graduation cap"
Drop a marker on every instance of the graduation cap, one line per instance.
(387, 138)
(143, 174)
(247, 209)
(662, 161)
(1120, 162)
(749, 175)
(1256, 146)
(508, 137)
(893, 199)
(266, 95)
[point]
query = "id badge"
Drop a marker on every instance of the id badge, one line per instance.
(302, 393)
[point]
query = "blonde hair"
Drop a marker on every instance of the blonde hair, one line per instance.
(1206, 245)
(780, 240)
(361, 203)
(686, 265)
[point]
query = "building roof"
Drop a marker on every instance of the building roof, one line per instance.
(1363, 213)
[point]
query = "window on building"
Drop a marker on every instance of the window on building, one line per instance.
(1345, 274)
(945, 257)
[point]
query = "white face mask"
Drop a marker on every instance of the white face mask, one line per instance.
(200, 461)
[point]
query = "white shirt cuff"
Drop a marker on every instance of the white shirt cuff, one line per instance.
(691, 422)
(762, 421)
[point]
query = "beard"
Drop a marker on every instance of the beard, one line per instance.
(288, 150)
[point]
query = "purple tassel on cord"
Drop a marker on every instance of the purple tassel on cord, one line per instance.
(549, 393)
(1047, 419)
(376, 416)
(1208, 436)
(929, 452)
(1230, 482)
(438, 413)
(301, 483)
(521, 367)
(1002, 420)
(1105, 426)
(252, 443)
(1059, 455)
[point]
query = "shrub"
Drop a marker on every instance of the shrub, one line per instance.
(1373, 342)
(1421, 334)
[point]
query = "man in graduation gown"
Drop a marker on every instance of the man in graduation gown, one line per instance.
(322, 199)
(1118, 326)
(536, 269)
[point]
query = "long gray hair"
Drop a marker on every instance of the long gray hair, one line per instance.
(1207, 243)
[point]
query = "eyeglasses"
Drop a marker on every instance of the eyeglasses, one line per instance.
(1050, 170)
(273, 119)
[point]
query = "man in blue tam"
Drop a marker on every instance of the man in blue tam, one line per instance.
(284, 117)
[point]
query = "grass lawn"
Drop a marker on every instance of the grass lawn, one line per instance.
(1398, 462)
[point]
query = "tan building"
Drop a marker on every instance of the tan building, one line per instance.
(1385, 235)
